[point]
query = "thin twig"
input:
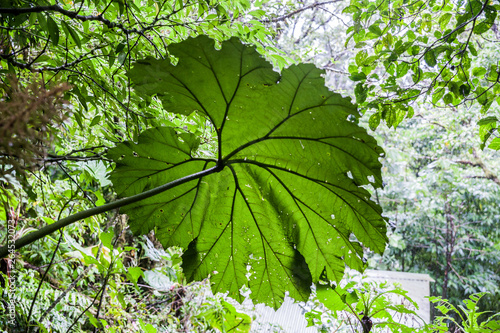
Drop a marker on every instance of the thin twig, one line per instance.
(295, 12)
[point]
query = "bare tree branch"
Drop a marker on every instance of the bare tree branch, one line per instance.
(488, 174)
(295, 12)
(68, 13)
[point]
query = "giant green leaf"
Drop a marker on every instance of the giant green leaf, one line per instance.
(286, 200)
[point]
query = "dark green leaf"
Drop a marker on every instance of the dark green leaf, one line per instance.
(430, 58)
(95, 121)
(53, 30)
(361, 93)
(120, 47)
(464, 90)
(73, 34)
(481, 95)
(375, 29)
(493, 73)
(42, 20)
(33, 18)
(487, 120)
(472, 49)
(410, 112)
(436, 97)
(358, 76)
(389, 115)
(448, 99)
(289, 192)
(121, 57)
(414, 50)
(474, 7)
(482, 27)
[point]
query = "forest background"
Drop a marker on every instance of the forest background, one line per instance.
(424, 75)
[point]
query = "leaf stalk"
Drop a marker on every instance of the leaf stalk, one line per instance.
(48, 229)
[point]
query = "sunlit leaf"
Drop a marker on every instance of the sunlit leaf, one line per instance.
(287, 201)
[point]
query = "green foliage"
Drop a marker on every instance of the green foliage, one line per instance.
(441, 201)
(444, 52)
(365, 306)
(225, 318)
(91, 44)
(424, 50)
(290, 164)
(469, 315)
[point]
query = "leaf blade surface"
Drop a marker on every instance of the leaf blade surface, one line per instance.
(289, 202)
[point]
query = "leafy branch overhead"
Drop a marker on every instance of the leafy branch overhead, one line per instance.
(285, 201)
(402, 59)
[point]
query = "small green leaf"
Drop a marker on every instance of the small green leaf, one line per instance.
(410, 113)
(493, 73)
(360, 57)
(72, 33)
(42, 20)
(106, 238)
(375, 29)
(92, 319)
(53, 30)
(95, 121)
(33, 18)
(495, 144)
(111, 58)
(464, 90)
(414, 50)
(402, 69)
(336, 299)
(479, 71)
(473, 7)
(472, 49)
(482, 95)
(227, 319)
(430, 58)
(350, 10)
(436, 97)
(482, 27)
(444, 19)
(134, 273)
(48, 220)
(121, 57)
(120, 47)
(448, 99)
(417, 76)
(389, 115)
(358, 76)
(361, 93)
(487, 120)
(146, 328)
(374, 121)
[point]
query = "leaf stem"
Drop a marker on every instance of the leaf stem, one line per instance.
(48, 229)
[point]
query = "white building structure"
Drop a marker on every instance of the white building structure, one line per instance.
(290, 318)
